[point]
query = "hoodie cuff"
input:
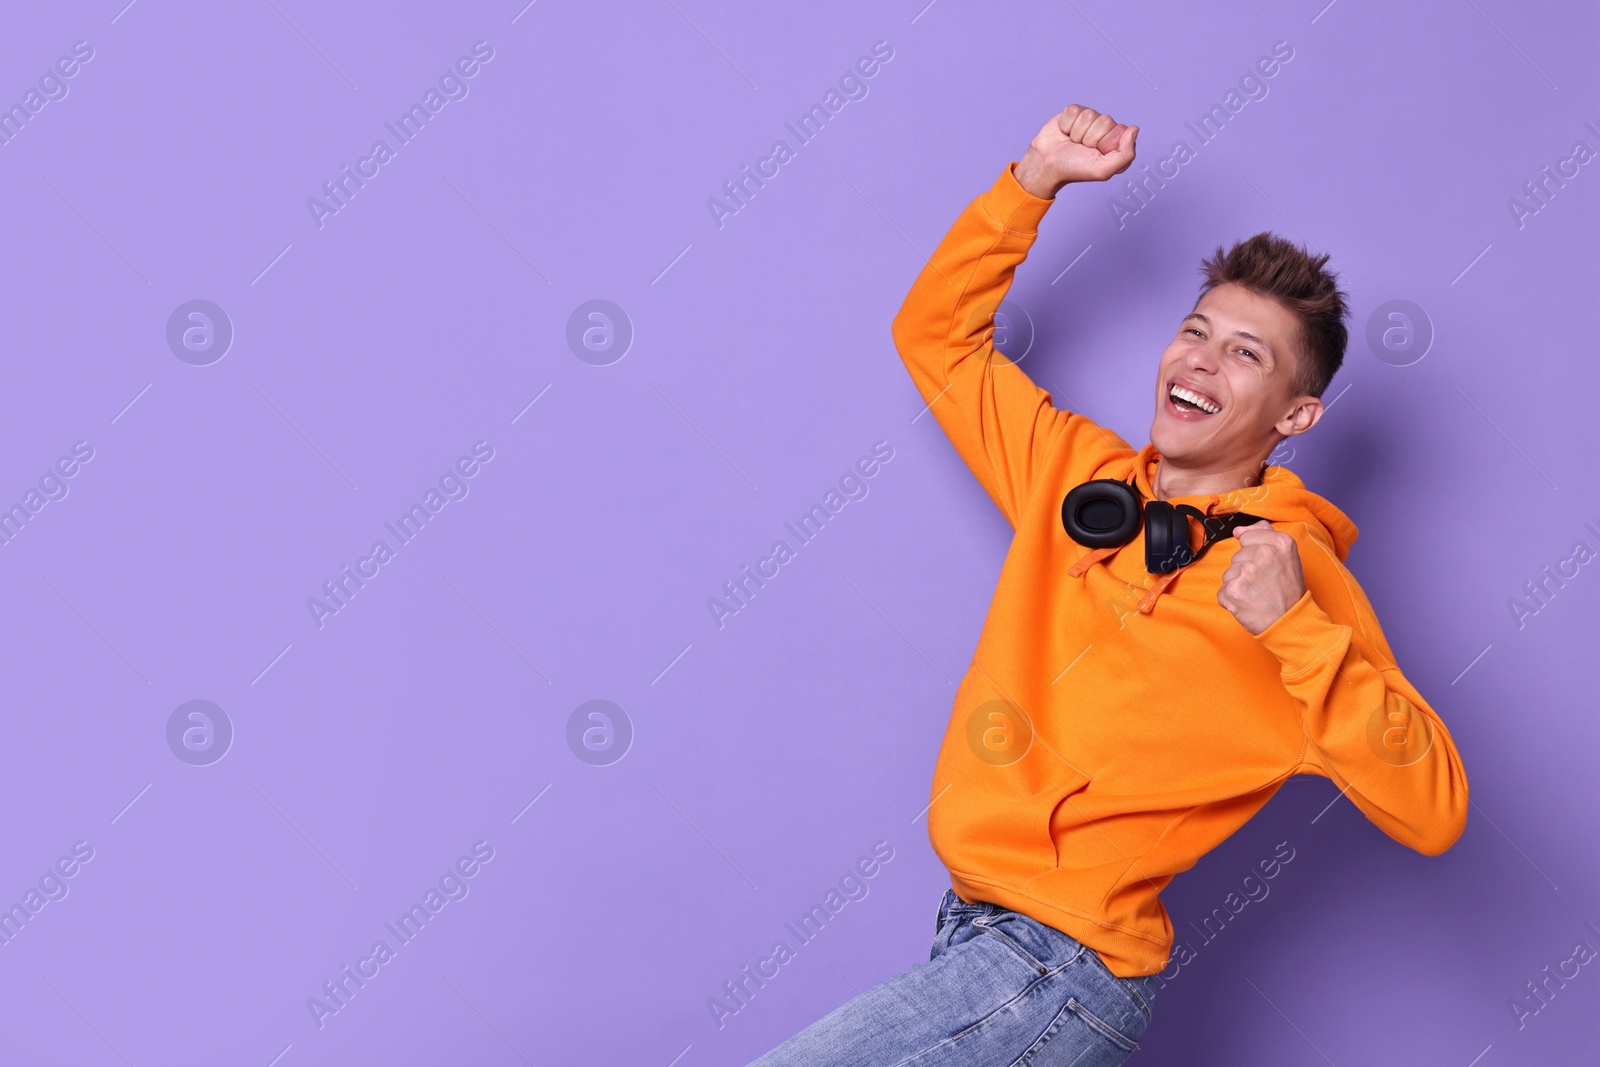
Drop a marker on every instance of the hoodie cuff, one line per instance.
(1304, 637)
(1017, 210)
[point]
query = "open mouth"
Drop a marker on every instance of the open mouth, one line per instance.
(1190, 404)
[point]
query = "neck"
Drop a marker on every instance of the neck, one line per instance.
(1172, 479)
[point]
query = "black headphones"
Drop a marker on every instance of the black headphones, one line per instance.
(1104, 513)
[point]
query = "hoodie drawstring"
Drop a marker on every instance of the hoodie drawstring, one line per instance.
(1148, 602)
(1147, 605)
(1089, 559)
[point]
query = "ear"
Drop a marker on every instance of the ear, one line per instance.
(1304, 412)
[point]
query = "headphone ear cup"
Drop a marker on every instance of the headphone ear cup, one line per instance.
(1102, 513)
(1167, 546)
(1160, 518)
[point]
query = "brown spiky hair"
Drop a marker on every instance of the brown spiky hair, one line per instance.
(1272, 266)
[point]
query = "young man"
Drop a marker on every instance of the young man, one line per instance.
(1124, 714)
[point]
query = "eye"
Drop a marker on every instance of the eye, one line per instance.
(1194, 330)
(1251, 354)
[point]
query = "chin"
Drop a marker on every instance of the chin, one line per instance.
(1179, 450)
(1163, 441)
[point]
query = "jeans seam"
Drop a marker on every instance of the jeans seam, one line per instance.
(1108, 1031)
(975, 1027)
(1129, 989)
(982, 922)
(1144, 1005)
(1033, 1050)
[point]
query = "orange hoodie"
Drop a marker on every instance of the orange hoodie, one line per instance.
(1113, 728)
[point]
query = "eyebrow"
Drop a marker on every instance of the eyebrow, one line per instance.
(1237, 333)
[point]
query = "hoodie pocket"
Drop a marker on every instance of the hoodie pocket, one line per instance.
(1064, 815)
(999, 783)
(995, 823)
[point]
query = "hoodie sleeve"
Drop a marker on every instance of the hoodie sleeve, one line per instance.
(1367, 728)
(1001, 423)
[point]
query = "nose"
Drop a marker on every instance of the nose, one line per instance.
(1205, 358)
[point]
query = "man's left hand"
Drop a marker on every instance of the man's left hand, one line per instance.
(1264, 578)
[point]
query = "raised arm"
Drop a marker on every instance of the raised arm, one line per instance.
(1000, 422)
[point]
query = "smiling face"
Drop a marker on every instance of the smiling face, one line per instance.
(1224, 396)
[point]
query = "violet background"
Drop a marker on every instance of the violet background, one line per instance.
(770, 754)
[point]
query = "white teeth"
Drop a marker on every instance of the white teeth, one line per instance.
(1196, 399)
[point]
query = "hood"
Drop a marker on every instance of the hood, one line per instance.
(1280, 498)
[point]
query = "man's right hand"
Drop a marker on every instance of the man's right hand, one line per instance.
(1078, 145)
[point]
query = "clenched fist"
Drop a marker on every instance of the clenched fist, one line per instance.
(1078, 145)
(1263, 580)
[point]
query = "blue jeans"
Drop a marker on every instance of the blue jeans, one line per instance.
(999, 990)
